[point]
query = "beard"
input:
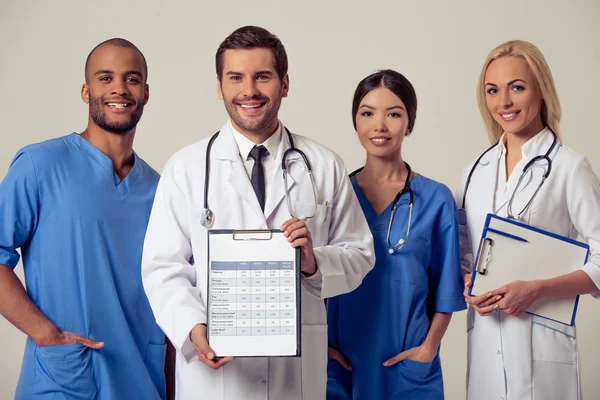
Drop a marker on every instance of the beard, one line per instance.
(259, 124)
(100, 117)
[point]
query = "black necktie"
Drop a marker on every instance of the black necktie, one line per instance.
(258, 174)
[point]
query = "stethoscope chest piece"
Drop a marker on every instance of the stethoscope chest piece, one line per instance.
(399, 245)
(207, 218)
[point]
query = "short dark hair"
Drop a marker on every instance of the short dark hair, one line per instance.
(119, 43)
(254, 37)
(396, 83)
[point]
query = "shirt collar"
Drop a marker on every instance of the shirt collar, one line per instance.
(528, 149)
(245, 145)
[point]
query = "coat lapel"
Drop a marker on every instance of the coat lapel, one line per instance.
(276, 187)
(483, 182)
(227, 156)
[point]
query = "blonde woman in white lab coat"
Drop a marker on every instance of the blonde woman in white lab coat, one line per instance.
(512, 354)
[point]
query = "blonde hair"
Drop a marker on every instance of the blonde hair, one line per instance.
(550, 111)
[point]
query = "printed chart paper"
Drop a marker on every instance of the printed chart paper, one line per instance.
(254, 295)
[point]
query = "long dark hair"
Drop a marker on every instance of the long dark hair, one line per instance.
(396, 83)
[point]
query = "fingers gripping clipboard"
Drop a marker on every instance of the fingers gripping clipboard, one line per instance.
(510, 251)
(253, 294)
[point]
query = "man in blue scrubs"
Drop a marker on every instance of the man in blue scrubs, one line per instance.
(77, 207)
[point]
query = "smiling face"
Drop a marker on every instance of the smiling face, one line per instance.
(513, 96)
(252, 91)
(382, 123)
(116, 88)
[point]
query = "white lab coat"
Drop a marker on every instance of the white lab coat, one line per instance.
(174, 263)
(529, 357)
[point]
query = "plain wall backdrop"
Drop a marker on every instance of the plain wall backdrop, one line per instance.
(439, 46)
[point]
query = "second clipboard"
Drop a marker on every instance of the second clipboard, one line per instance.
(510, 250)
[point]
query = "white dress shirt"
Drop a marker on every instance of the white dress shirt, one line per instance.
(245, 145)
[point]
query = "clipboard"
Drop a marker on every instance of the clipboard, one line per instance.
(254, 294)
(510, 250)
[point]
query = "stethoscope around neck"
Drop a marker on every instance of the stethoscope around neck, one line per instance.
(462, 216)
(207, 217)
(392, 248)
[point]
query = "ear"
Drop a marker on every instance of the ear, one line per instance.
(85, 93)
(146, 94)
(408, 132)
(285, 85)
(219, 91)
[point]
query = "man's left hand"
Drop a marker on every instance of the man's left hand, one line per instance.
(297, 233)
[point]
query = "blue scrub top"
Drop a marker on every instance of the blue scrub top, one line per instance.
(81, 231)
(390, 312)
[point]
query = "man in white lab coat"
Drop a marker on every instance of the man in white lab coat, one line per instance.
(336, 245)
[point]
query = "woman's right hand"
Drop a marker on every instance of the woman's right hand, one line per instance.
(339, 357)
(484, 304)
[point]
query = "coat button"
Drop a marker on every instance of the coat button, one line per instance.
(264, 381)
(499, 352)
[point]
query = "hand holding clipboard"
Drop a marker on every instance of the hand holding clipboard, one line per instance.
(511, 254)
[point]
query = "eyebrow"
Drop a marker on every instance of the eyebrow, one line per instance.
(107, 71)
(264, 72)
(509, 83)
(387, 109)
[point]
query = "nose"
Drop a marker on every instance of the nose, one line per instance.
(380, 125)
(250, 89)
(119, 88)
(506, 99)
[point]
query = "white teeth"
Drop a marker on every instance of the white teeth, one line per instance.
(246, 106)
(508, 116)
(118, 105)
(379, 140)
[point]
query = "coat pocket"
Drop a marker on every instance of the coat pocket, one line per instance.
(555, 381)
(64, 372)
(554, 368)
(553, 342)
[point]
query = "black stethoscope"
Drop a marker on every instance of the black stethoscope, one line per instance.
(462, 215)
(207, 217)
(406, 189)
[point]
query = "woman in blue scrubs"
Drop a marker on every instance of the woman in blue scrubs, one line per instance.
(384, 337)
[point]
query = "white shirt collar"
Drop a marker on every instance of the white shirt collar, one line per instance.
(245, 145)
(528, 149)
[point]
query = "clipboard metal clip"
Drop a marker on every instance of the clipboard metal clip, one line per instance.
(257, 234)
(485, 254)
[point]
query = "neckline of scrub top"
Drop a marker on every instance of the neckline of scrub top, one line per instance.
(122, 186)
(369, 208)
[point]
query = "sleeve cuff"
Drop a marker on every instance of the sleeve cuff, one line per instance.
(450, 304)
(314, 283)
(8, 258)
(593, 272)
(181, 340)
(187, 349)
